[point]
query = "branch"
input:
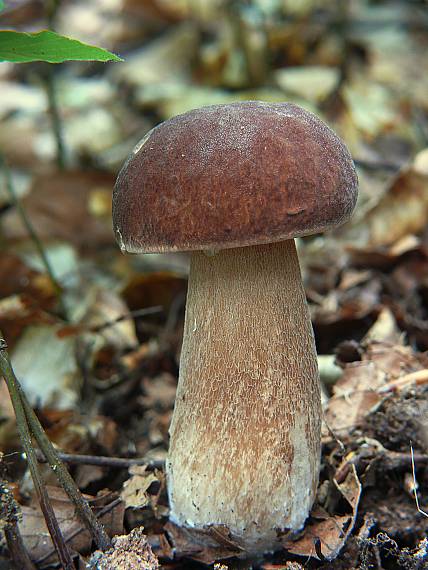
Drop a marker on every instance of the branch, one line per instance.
(26, 414)
(24, 434)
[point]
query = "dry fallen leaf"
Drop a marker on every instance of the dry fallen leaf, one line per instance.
(46, 367)
(324, 539)
(134, 492)
(402, 210)
(36, 536)
(203, 546)
(59, 206)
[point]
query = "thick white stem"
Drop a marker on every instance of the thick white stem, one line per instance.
(245, 435)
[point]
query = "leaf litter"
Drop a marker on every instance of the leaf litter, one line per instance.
(104, 383)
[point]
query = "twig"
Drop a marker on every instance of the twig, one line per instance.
(83, 328)
(415, 484)
(389, 461)
(83, 509)
(9, 517)
(103, 461)
(24, 433)
(377, 165)
(417, 378)
(76, 532)
(16, 547)
(32, 233)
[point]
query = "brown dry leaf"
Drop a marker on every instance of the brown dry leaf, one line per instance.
(360, 387)
(9, 438)
(353, 396)
(134, 493)
(385, 257)
(384, 329)
(75, 433)
(203, 546)
(129, 552)
(25, 296)
(403, 210)
(6, 408)
(59, 207)
(36, 536)
(324, 539)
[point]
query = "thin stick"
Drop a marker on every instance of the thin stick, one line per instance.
(418, 378)
(83, 509)
(103, 461)
(16, 547)
(9, 515)
(415, 484)
(76, 532)
(32, 233)
(377, 165)
(24, 434)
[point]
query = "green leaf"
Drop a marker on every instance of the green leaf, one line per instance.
(22, 47)
(1, 5)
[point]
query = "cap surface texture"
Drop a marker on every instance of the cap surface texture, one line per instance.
(232, 175)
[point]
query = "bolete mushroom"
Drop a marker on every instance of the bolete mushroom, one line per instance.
(235, 184)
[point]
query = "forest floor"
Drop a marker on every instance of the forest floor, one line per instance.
(99, 358)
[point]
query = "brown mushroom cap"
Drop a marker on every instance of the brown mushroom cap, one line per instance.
(232, 175)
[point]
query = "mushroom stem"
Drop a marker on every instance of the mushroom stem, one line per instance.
(245, 435)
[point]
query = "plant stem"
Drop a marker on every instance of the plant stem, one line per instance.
(32, 233)
(24, 434)
(51, 11)
(57, 129)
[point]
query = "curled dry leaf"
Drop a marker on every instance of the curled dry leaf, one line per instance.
(324, 538)
(134, 492)
(384, 329)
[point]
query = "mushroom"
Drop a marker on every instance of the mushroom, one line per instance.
(235, 184)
